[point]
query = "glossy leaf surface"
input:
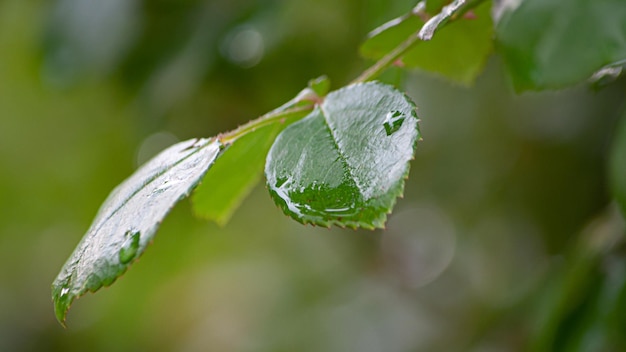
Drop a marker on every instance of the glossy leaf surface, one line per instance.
(345, 163)
(128, 219)
(617, 172)
(458, 51)
(549, 44)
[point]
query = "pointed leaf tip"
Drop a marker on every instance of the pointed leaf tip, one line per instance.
(129, 218)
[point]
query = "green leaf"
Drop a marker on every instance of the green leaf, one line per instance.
(617, 172)
(239, 167)
(128, 219)
(345, 163)
(234, 174)
(458, 51)
(549, 44)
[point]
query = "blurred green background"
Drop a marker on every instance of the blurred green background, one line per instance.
(506, 239)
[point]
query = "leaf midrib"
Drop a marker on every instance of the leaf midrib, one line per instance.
(335, 141)
(154, 178)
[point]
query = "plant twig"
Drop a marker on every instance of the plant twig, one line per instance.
(269, 118)
(448, 14)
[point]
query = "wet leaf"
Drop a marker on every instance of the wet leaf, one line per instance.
(128, 219)
(549, 44)
(458, 50)
(345, 163)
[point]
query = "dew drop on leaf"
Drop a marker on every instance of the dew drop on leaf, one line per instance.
(130, 247)
(393, 122)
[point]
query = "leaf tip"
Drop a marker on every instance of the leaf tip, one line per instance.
(62, 298)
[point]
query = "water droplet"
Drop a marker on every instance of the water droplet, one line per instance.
(393, 121)
(64, 291)
(130, 246)
(162, 188)
(280, 182)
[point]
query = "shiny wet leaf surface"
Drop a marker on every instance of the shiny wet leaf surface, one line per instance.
(345, 163)
(128, 219)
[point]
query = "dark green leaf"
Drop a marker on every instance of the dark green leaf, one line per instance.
(617, 172)
(129, 218)
(346, 162)
(458, 50)
(550, 44)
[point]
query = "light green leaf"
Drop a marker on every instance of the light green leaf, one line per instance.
(617, 172)
(129, 218)
(345, 163)
(549, 44)
(239, 167)
(457, 51)
(234, 174)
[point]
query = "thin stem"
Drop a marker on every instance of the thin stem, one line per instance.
(269, 118)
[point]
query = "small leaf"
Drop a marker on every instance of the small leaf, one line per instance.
(234, 174)
(240, 165)
(345, 163)
(549, 44)
(458, 50)
(128, 219)
(617, 172)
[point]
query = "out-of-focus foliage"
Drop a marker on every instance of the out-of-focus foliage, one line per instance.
(550, 44)
(499, 244)
(618, 165)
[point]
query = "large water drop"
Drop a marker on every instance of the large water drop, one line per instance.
(393, 121)
(130, 246)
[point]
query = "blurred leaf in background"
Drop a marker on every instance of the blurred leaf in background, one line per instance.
(458, 52)
(617, 166)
